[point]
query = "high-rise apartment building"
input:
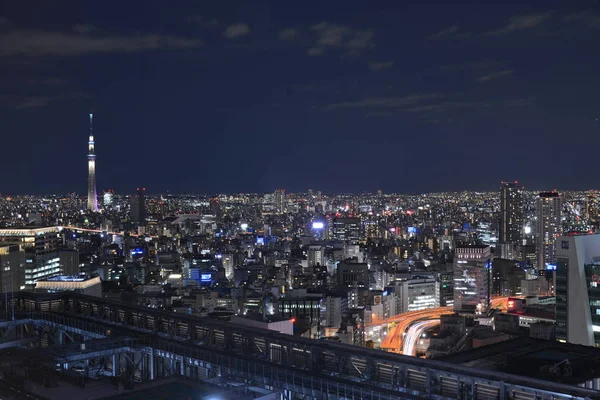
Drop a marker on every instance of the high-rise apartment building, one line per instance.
(92, 202)
(549, 226)
(472, 278)
(578, 289)
(511, 213)
(137, 210)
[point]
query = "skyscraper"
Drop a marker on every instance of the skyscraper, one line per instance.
(472, 278)
(92, 199)
(137, 211)
(549, 226)
(511, 213)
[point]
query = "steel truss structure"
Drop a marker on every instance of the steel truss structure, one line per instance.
(145, 344)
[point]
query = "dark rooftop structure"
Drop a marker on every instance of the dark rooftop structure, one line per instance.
(540, 359)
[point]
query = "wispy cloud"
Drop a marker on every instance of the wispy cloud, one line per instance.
(469, 66)
(587, 18)
(236, 30)
(381, 65)
(523, 102)
(495, 75)
(202, 21)
(448, 33)
(333, 36)
(41, 43)
(288, 34)
(522, 22)
(386, 102)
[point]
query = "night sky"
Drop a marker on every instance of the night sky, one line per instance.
(249, 96)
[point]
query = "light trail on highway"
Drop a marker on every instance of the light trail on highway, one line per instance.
(413, 335)
(394, 340)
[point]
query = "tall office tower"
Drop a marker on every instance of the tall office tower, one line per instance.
(591, 207)
(472, 278)
(578, 289)
(511, 213)
(549, 226)
(137, 211)
(346, 229)
(92, 199)
(279, 198)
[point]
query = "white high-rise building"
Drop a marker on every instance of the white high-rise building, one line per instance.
(578, 289)
(549, 226)
(472, 278)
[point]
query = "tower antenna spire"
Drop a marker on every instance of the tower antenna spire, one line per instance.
(92, 197)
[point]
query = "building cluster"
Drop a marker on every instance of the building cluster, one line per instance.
(332, 264)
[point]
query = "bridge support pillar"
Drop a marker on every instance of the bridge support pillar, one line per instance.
(115, 366)
(151, 365)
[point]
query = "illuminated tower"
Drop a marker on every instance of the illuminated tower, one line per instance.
(92, 199)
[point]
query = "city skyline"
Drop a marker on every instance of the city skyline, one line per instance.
(249, 98)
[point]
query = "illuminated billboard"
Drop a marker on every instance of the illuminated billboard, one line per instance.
(318, 225)
(412, 229)
(205, 277)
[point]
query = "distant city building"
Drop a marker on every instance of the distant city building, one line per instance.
(578, 289)
(92, 201)
(511, 216)
(41, 251)
(591, 207)
(549, 226)
(355, 276)
(69, 262)
(88, 286)
(108, 197)
(415, 294)
(137, 211)
(12, 271)
(316, 255)
(280, 201)
(472, 278)
(346, 229)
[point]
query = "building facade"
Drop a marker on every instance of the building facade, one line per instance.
(578, 289)
(511, 214)
(549, 226)
(472, 278)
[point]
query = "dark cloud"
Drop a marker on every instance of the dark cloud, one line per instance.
(340, 37)
(236, 30)
(495, 75)
(386, 102)
(41, 43)
(202, 21)
(378, 66)
(452, 32)
(522, 22)
(288, 34)
(587, 18)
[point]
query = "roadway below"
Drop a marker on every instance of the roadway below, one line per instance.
(397, 334)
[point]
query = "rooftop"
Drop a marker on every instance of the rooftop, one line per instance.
(540, 359)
